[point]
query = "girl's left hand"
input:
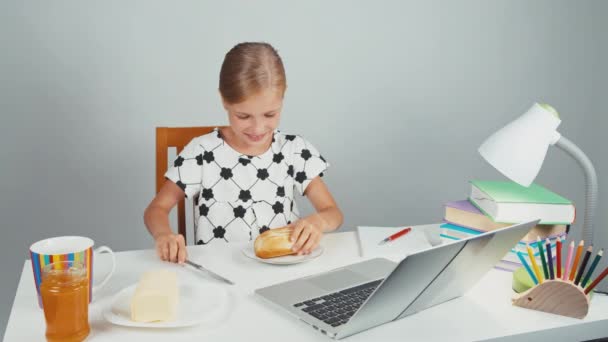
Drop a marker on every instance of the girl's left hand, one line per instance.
(306, 235)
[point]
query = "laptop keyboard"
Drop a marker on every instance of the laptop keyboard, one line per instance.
(337, 308)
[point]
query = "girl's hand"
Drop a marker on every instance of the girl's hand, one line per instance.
(171, 247)
(306, 235)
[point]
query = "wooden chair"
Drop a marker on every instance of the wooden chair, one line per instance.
(178, 137)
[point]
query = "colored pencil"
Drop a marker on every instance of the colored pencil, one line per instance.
(568, 260)
(581, 270)
(558, 257)
(596, 281)
(596, 260)
(541, 251)
(525, 263)
(550, 259)
(534, 265)
(579, 250)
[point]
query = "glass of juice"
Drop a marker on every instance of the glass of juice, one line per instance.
(65, 299)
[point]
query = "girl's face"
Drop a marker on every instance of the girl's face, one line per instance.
(254, 119)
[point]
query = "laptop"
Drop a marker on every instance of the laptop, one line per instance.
(357, 297)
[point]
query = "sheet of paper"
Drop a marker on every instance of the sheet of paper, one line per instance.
(421, 237)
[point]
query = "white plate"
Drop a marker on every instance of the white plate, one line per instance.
(198, 303)
(284, 260)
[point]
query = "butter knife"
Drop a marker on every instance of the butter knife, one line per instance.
(213, 274)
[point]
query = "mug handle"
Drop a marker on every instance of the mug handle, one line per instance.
(105, 249)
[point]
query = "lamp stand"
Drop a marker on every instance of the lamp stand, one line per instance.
(590, 182)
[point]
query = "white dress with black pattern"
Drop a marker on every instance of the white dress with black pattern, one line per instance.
(241, 196)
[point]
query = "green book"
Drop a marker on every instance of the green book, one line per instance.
(509, 202)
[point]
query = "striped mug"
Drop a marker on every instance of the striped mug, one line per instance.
(68, 248)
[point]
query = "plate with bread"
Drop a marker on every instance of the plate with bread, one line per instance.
(273, 247)
(158, 301)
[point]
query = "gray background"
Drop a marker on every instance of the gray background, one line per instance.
(398, 95)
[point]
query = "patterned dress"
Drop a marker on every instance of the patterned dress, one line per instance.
(239, 196)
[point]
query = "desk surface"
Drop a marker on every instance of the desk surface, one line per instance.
(485, 312)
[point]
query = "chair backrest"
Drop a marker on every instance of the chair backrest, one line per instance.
(178, 137)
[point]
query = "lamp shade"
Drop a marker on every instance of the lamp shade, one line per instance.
(518, 149)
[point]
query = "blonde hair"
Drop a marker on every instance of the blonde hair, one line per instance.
(250, 68)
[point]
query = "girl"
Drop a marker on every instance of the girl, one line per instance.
(244, 176)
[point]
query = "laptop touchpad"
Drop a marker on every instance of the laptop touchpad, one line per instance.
(338, 280)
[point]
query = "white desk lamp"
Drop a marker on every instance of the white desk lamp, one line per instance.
(518, 151)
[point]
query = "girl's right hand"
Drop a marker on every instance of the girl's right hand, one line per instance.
(171, 247)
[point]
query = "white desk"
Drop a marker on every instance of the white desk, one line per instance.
(484, 313)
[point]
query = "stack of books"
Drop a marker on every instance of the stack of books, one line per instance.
(497, 204)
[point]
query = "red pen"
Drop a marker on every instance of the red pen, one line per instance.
(396, 235)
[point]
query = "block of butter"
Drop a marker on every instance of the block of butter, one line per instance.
(156, 297)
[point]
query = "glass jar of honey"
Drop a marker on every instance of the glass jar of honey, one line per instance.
(65, 299)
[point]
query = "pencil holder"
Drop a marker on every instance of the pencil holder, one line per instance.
(555, 296)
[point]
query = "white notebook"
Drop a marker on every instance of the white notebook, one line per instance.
(421, 237)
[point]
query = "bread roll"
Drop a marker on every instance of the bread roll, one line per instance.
(273, 243)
